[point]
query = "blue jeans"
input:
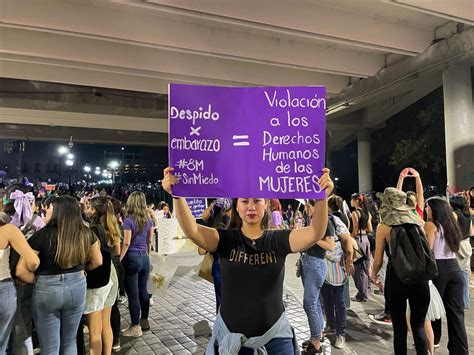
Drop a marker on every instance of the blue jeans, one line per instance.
(313, 274)
(335, 307)
(58, 304)
(466, 289)
(276, 346)
(7, 312)
(137, 267)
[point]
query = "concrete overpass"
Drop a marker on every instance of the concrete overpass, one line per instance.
(70, 66)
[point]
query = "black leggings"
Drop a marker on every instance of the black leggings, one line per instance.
(115, 322)
(418, 296)
(450, 287)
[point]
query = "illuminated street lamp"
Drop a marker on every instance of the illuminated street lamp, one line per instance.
(87, 169)
(63, 150)
(69, 162)
(113, 165)
(70, 156)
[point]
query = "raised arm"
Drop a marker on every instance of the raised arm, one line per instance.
(401, 178)
(420, 200)
(204, 237)
(303, 238)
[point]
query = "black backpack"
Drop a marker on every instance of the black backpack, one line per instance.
(412, 259)
(100, 276)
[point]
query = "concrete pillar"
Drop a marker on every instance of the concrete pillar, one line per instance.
(459, 127)
(364, 160)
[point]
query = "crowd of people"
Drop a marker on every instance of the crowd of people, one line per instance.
(68, 259)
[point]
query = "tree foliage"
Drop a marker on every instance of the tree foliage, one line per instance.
(413, 138)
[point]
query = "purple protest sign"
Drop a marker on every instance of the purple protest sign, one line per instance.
(266, 142)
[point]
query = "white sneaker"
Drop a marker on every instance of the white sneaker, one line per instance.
(151, 301)
(132, 331)
(340, 342)
(116, 347)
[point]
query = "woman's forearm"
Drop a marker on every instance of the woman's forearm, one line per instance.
(319, 219)
(420, 200)
(124, 250)
(377, 266)
(400, 182)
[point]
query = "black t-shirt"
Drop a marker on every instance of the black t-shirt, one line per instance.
(45, 241)
(316, 250)
(252, 279)
(363, 219)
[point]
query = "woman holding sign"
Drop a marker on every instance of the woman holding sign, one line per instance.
(252, 267)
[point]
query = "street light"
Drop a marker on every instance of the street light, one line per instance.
(63, 150)
(69, 162)
(87, 169)
(70, 156)
(113, 165)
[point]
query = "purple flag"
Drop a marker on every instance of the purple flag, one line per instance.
(266, 142)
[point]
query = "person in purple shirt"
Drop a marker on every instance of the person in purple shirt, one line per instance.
(138, 231)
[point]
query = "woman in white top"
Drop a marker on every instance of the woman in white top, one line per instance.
(11, 236)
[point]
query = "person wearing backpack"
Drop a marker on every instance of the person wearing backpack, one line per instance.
(411, 265)
(444, 236)
(102, 283)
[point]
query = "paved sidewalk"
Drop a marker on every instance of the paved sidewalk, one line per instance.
(181, 321)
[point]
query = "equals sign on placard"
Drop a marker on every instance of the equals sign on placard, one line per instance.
(240, 140)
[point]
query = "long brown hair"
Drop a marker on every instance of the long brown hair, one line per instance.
(236, 221)
(74, 237)
(136, 207)
(104, 216)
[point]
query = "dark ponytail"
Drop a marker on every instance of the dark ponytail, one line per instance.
(363, 202)
(442, 216)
